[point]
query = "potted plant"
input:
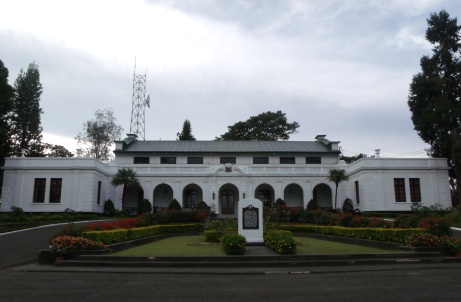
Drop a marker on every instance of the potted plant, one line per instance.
(59, 251)
(455, 246)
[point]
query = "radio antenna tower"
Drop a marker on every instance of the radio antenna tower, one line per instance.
(139, 103)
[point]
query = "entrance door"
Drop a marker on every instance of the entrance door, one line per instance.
(227, 202)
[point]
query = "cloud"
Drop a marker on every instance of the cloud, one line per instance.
(340, 68)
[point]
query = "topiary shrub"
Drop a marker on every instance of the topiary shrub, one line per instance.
(144, 206)
(233, 244)
(109, 208)
(280, 203)
(202, 206)
(312, 205)
(174, 205)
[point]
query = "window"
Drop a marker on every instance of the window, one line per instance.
(415, 191)
(55, 190)
(227, 160)
(39, 190)
(399, 189)
(98, 202)
(168, 160)
(357, 195)
(141, 160)
(260, 160)
(195, 160)
(313, 160)
(287, 160)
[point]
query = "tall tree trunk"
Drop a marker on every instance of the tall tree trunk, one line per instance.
(123, 197)
(336, 197)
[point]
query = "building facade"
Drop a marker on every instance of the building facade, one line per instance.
(222, 173)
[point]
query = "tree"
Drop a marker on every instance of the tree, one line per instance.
(100, 133)
(6, 105)
(51, 150)
(186, 133)
(26, 129)
(267, 126)
(434, 98)
(126, 177)
(351, 159)
(337, 176)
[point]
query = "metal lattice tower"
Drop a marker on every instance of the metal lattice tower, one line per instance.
(138, 109)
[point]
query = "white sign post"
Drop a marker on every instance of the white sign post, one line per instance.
(250, 220)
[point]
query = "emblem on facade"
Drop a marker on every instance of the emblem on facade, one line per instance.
(228, 168)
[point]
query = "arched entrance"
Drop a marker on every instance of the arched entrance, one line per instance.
(228, 198)
(265, 193)
(163, 195)
(293, 196)
(132, 197)
(191, 196)
(322, 194)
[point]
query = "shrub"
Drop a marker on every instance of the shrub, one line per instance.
(312, 205)
(216, 225)
(425, 240)
(109, 208)
(213, 235)
(438, 226)
(174, 205)
(230, 224)
(455, 217)
(281, 241)
(280, 203)
(17, 213)
(203, 206)
(233, 244)
(69, 230)
(144, 206)
(405, 221)
(60, 245)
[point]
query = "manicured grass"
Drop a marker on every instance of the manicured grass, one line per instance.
(306, 246)
(197, 246)
(176, 246)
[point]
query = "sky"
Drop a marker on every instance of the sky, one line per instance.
(341, 68)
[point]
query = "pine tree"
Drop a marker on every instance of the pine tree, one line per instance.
(186, 134)
(26, 126)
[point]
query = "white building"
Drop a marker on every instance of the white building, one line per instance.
(221, 173)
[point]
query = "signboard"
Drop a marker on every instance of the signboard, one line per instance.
(250, 218)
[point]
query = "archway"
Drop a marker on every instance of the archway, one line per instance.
(132, 197)
(163, 195)
(322, 194)
(293, 196)
(265, 193)
(191, 196)
(228, 198)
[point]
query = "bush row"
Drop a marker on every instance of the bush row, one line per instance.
(282, 242)
(174, 216)
(380, 234)
(121, 235)
(283, 213)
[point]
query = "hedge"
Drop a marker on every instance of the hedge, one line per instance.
(216, 235)
(121, 235)
(380, 234)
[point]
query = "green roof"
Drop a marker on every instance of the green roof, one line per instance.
(226, 147)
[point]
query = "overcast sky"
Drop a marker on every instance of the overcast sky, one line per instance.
(338, 67)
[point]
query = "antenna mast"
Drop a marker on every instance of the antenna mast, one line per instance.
(139, 102)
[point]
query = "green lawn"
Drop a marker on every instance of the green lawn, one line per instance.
(197, 246)
(307, 246)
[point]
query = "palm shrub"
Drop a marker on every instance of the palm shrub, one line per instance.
(233, 244)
